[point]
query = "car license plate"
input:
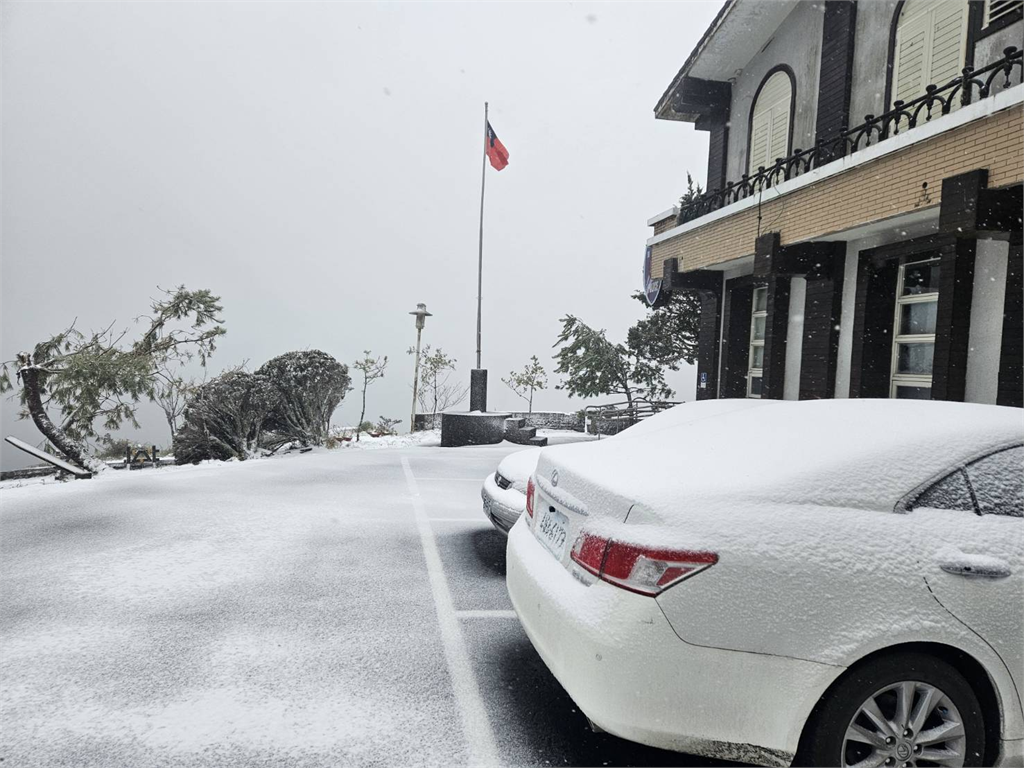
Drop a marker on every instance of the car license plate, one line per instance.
(553, 530)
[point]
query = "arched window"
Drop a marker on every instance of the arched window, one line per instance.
(930, 47)
(770, 120)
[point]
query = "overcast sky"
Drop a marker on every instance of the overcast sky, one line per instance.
(317, 165)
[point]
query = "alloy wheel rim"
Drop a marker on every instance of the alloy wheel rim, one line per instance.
(908, 724)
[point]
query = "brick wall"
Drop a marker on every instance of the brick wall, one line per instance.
(881, 189)
(662, 225)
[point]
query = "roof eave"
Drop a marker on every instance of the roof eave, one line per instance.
(663, 110)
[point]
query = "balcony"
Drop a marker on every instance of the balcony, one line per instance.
(973, 85)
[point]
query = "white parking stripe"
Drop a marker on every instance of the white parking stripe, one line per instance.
(475, 725)
(486, 614)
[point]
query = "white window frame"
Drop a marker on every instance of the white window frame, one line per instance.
(897, 379)
(755, 313)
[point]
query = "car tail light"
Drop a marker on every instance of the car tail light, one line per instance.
(644, 570)
(588, 552)
(529, 496)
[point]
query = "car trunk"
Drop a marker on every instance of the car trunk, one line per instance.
(567, 500)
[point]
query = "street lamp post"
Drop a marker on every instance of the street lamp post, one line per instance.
(421, 320)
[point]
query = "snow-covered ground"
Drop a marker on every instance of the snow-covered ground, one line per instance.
(427, 438)
(341, 607)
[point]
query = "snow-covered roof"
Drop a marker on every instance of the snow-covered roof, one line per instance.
(738, 32)
(858, 453)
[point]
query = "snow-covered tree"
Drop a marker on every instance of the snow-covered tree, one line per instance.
(100, 378)
(595, 366)
(524, 383)
(225, 417)
(668, 334)
(311, 385)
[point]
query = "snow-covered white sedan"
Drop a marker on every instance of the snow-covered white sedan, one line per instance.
(838, 582)
(504, 492)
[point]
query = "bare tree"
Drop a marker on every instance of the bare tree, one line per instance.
(437, 392)
(171, 393)
(373, 368)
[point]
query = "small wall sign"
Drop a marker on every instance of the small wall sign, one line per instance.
(703, 379)
(652, 286)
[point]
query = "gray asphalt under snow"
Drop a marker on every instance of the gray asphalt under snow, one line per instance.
(276, 612)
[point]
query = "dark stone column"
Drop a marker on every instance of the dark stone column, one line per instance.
(478, 389)
(958, 216)
(717, 126)
(1011, 356)
(835, 73)
(874, 309)
(707, 285)
(961, 194)
(767, 261)
(823, 306)
(953, 319)
(707, 343)
(736, 311)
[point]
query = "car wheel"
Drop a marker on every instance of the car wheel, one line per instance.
(896, 711)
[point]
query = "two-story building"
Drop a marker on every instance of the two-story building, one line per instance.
(860, 235)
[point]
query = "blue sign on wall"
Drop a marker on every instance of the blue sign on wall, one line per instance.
(652, 286)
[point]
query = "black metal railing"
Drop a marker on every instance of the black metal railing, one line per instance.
(612, 418)
(937, 100)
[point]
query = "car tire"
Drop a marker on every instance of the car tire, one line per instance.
(931, 683)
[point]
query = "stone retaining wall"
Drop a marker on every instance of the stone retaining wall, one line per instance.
(539, 419)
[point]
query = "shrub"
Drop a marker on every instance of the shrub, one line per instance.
(225, 418)
(386, 426)
(309, 385)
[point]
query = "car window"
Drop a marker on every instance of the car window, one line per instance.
(998, 482)
(951, 492)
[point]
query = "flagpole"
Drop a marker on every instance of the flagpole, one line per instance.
(480, 257)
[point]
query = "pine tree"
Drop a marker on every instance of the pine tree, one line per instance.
(100, 377)
(595, 366)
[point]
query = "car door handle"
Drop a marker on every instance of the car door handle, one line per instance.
(971, 569)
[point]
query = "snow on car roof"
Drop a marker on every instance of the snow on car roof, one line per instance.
(840, 453)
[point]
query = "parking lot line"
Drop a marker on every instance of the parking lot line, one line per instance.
(486, 614)
(475, 725)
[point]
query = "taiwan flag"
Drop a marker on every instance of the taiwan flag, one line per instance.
(496, 151)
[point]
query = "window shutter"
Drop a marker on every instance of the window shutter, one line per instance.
(759, 131)
(779, 146)
(908, 76)
(949, 39)
(931, 40)
(769, 125)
